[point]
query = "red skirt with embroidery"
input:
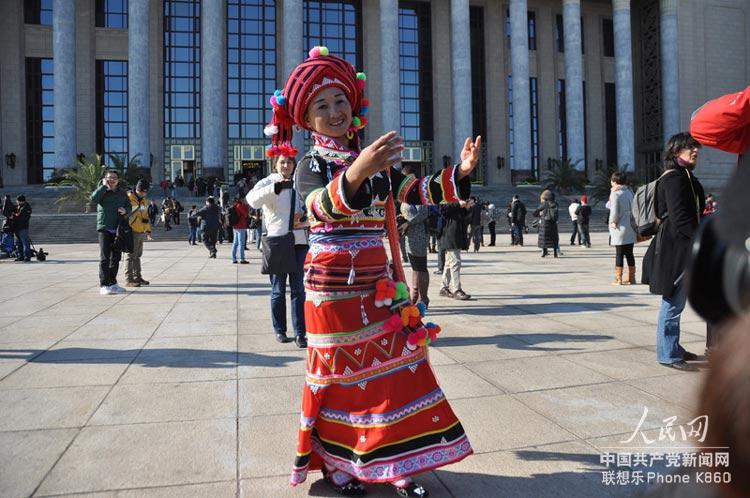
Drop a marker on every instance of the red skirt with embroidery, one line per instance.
(371, 406)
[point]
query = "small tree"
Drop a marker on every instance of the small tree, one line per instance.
(601, 186)
(564, 176)
(129, 172)
(84, 178)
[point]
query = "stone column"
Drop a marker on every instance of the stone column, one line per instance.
(574, 82)
(293, 52)
(389, 66)
(519, 56)
(64, 67)
(670, 80)
(213, 87)
(460, 75)
(624, 84)
(139, 141)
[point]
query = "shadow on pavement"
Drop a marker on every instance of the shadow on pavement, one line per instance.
(528, 309)
(533, 341)
(152, 358)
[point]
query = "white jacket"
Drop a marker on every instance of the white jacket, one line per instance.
(276, 208)
(572, 211)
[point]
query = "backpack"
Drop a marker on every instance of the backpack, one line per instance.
(644, 208)
(233, 216)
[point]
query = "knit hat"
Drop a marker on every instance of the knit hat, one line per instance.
(320, 71)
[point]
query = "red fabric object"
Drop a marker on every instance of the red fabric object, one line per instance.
(724, 123)
(243, 210)
(307, 80)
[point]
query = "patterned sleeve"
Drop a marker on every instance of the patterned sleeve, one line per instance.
(443, 186)
(326, 199)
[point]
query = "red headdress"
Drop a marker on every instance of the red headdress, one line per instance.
(320, 71)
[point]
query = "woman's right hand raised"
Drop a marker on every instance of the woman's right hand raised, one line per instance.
(378, 156)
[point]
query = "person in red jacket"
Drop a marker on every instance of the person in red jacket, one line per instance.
(724, 123)
(237, 216)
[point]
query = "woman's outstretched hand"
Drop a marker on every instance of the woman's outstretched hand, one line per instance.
(378, 156)
(469, 156)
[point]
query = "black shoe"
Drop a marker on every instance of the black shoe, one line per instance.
(244, 262)
(234, 262)
(681, 365)
(461, 295)
(300, 341)
(412, 490)
(688, 356)
(438, 272)
(281, 337)
(445, 292)
(351, 488)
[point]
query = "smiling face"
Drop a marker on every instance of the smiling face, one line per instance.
(285, 166)
(330, 113)
(112, 180)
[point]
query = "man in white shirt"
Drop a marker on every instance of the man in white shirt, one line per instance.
(574, 218)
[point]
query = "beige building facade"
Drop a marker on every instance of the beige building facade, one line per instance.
(711, 43)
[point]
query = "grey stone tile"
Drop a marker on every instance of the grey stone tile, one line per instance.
(282, 395)
(93, 350)
(276, 364)
(27, 456)
(196, 328)
(132, 404)
(514, 424)
(598, 410)
(38, 328)
(226, 489)
(66, 373)
(557, 470)
(539, 372)
(622, 364)
(457, 382)
(483, 348)
(682, 390)
(27, 409)
(114, 457)
(278, 486)
(267, 445)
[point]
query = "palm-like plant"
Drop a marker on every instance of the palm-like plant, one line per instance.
(564, 176)
(129, 172)
(84, 179)
(601, 187)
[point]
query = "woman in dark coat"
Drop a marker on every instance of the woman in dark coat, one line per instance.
(547, 212)
(679, 204)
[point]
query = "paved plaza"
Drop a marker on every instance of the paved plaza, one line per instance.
(180, 390)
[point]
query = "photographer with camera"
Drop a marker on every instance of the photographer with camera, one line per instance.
(111, 204)
(139, 222)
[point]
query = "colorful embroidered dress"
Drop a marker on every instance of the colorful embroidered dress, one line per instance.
(371, 404)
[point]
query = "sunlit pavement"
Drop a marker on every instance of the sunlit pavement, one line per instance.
(180, 389)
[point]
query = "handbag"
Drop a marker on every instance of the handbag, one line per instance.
(279, 256)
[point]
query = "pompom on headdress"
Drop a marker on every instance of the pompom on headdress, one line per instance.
(319, 71)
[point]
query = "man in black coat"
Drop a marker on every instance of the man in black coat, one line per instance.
(517, 220)
(210, 217)
(20, 222)
(679, 204)
(584, 218)
(454, 239)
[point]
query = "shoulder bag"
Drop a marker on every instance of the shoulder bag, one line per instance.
(278, 252)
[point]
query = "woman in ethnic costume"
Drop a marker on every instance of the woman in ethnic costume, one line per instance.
(372, 410)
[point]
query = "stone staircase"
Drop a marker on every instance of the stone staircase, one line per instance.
(50, 225)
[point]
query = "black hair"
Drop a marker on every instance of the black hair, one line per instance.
(210, 200)
(676, 144)
(619, 177)
(109, 171)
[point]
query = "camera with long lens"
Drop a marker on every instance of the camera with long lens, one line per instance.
(718, 275)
